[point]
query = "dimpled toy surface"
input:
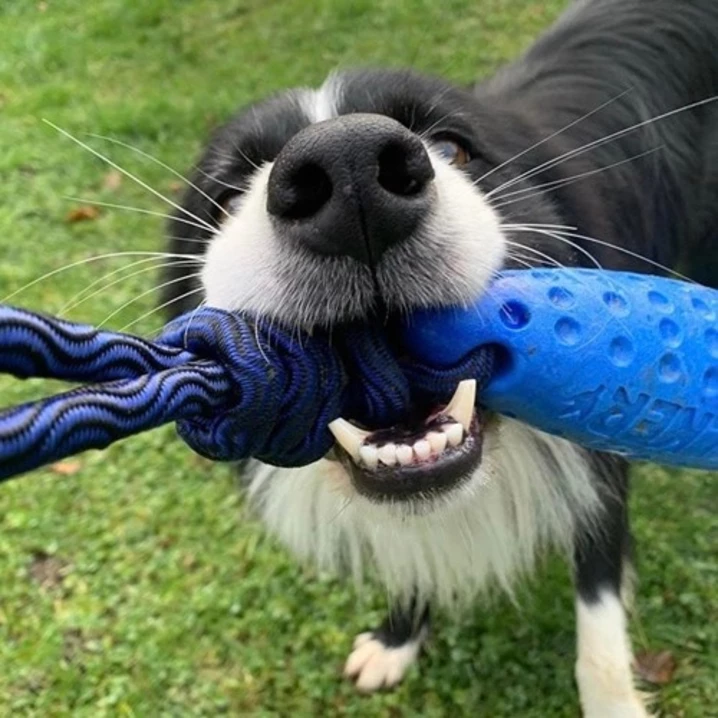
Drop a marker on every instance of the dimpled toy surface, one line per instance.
(614, 361)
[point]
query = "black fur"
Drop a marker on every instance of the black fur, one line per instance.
(403, 624)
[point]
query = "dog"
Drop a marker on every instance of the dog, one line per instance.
(383, 191)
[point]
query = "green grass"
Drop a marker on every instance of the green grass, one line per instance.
(138, 586)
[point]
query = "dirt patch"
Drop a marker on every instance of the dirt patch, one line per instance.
(47, 570)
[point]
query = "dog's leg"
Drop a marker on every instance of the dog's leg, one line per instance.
(381, 657)
(603, 574)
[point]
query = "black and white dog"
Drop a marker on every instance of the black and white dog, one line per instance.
(383, 191)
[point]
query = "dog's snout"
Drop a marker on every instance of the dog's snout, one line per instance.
(354, 186)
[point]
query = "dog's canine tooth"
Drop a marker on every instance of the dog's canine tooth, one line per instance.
(387, 454)
(437, 441)
(422, 449)
(461, 406)
(454, 434)
(404, 454)
(348, 436)
(369, 455)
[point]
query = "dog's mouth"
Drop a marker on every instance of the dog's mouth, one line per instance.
(418, 459)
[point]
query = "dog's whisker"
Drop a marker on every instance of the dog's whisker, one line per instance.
(573, 245)
(602, 141)
(522, 260)
(70, 302)
(629, 253)
(530, 261)
(424, 135)
(565, 128)
(214, 178)
(529, 225)
(165, 166)
(572, 232)
(204, 242)
(537, 253)
(412, 119)
(152, 290)
(76, 302)
(162, 306)
(244, 156)
(129, 175)
(437, 99)
(541, 189)
(534, 257)
(89, 260)
(137, 210)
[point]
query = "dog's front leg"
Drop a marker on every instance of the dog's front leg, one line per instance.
(381, 657)
(603, 574)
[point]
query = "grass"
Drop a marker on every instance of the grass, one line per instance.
(135, 584)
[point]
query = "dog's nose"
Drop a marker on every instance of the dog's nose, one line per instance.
(353, 186)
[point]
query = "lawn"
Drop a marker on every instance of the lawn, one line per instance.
(133, 582)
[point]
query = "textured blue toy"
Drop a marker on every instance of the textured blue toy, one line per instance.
(620, 362)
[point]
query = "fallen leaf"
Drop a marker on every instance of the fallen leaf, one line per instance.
(112, 180)
(656, 668)
(82, 213)
(66, 468)
(47, 570)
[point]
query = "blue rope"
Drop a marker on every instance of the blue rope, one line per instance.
(236, 387)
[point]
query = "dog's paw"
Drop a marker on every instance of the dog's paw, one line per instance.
(374, 665)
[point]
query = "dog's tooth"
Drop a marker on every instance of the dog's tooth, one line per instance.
(461, 406)
(454, 434)
(387, 454)
(437, 441)
(422, 449)
(369, 455)
(404, 454)
(348, 436)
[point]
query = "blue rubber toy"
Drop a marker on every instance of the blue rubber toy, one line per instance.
(620, 362)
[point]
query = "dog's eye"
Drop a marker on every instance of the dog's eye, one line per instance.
(453, 152)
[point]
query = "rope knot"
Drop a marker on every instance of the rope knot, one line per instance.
(285, 389)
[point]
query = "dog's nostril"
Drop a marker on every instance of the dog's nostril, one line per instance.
(311, 190)
(398, 171)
